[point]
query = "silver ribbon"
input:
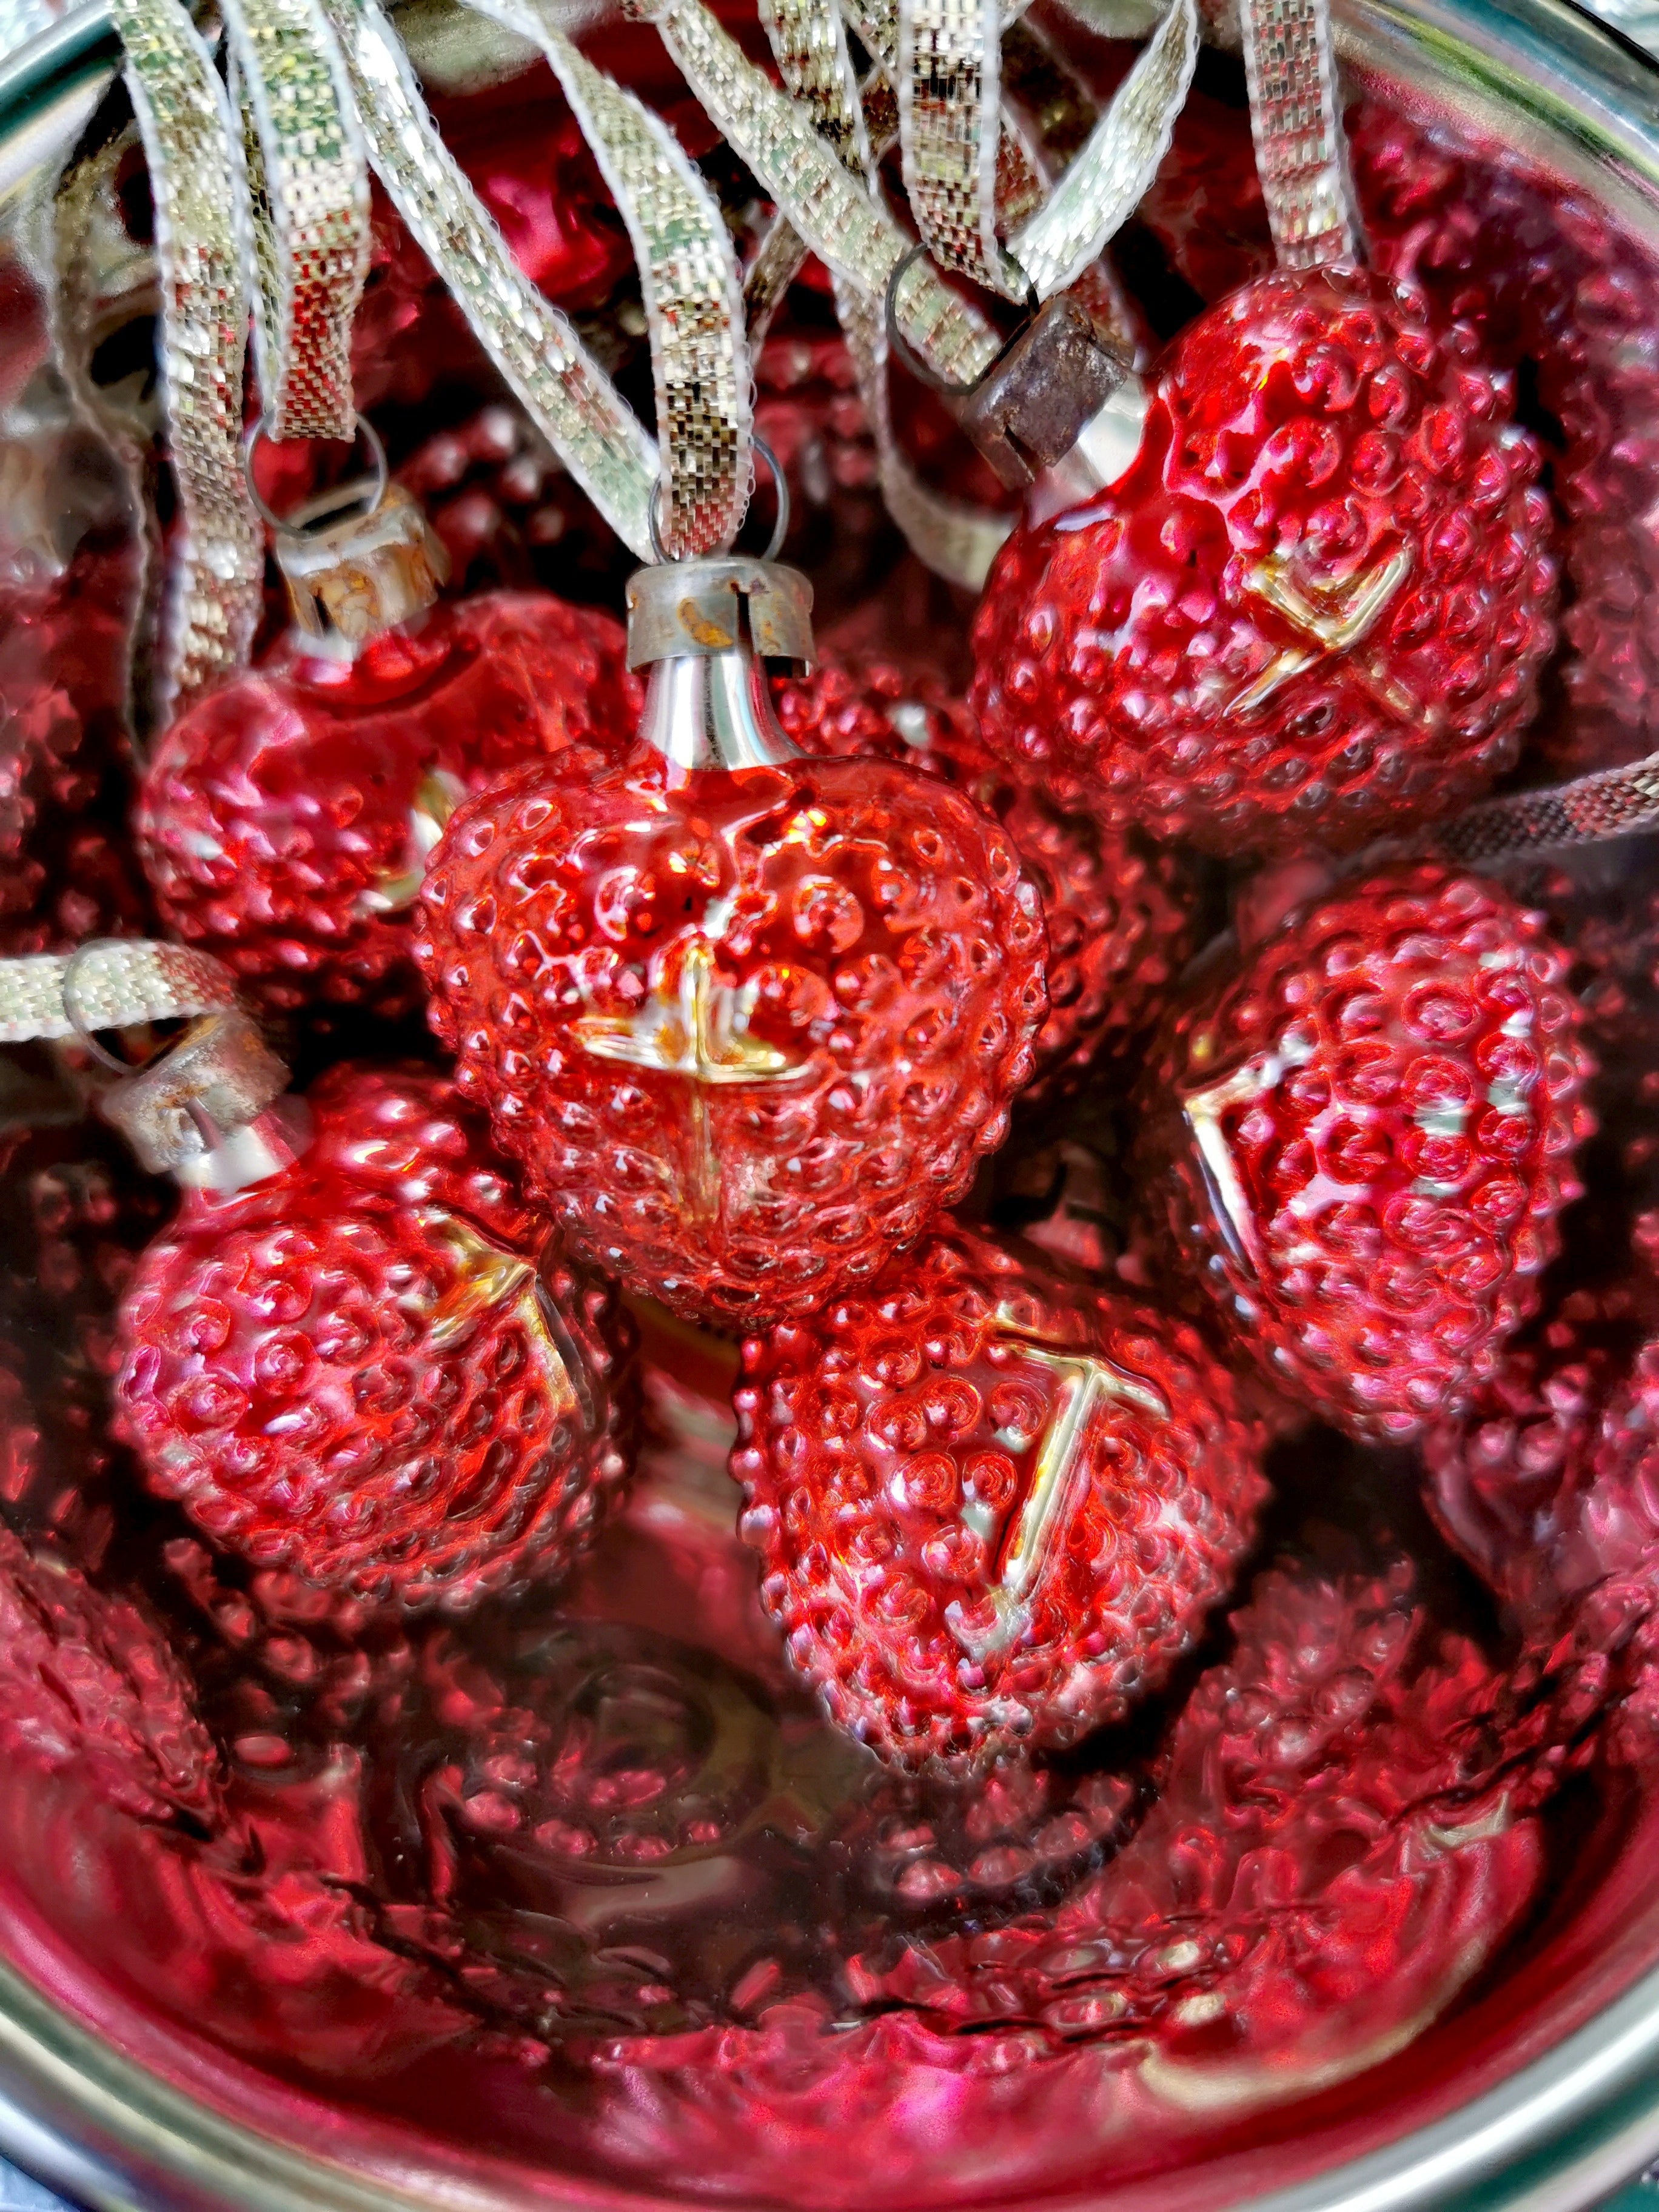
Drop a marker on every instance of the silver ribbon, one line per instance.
(1613, 802)
(214, 591)
(949, 69)
(809, 44)
(112, 985)
(1111, 176)
(692, 292)
(567, 396)
(849, 230)
(954, 538)
(307, 185)
(1300, 152)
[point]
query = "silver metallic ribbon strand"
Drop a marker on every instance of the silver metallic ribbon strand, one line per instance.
(947, 69)
(115, 985)
(692, 292)
(950, 75)
(307, 185)
(953, 539)
(1613, 802)
(567, 396)
(809, 44)
(1300, 152)
(215, 585)
(1112, 173)
(851, 232)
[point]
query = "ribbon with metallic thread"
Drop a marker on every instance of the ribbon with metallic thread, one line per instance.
(809, 44)
(566, 395)
(214, 591)
(690, 286)
(949, 68)
(954, 538)
(113, 984)
(849, 230)
(308, 186)
(1301, 155)
(1612, 802)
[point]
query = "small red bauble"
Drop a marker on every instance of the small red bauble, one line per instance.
(1548, 1483)
(285, 819)
(365, 1370)
(1121, 915)
(993, 1504)
(88, 1681)
(1317, 604)
(747, 1029)
(1359, 1135)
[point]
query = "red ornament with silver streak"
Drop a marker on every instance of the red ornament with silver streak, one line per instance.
(1359, 1135)
(993, 1505)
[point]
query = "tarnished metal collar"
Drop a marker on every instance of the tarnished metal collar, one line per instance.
(683, 607)
(352, 578)
(211, 1110)
(1029, 411)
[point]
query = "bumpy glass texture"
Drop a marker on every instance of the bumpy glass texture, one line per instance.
(1121, 915)
(365, 1370)
(1359, 1135)
(91, 1684)
(992, 1503)
(1558, 293)
(579, 1889)
(1315, 606)
(284, 821)
(745, 1031)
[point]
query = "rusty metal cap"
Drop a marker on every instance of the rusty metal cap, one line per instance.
(1028, 411)
(701, 606)
(210, 1108)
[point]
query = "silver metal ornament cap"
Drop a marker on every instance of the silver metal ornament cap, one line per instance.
(350, 579)
(211, 1110)
(717, 605)
(706, 629)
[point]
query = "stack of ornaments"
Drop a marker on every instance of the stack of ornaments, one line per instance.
(1054, 1073)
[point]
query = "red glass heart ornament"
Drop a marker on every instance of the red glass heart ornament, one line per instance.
(1315, 604)
(745, 1028)
(1358, 1137)
(993, 1504)
(367, 1370)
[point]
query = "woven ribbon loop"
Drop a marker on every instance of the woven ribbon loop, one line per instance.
(1300, 152)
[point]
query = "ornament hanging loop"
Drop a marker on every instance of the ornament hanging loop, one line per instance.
(326, 505)
(775, 544)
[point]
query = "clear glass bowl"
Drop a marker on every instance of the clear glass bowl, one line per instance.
(175, 2034)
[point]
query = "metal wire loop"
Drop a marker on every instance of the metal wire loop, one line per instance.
(75, 1013)
(780, 528)
(326, 505)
